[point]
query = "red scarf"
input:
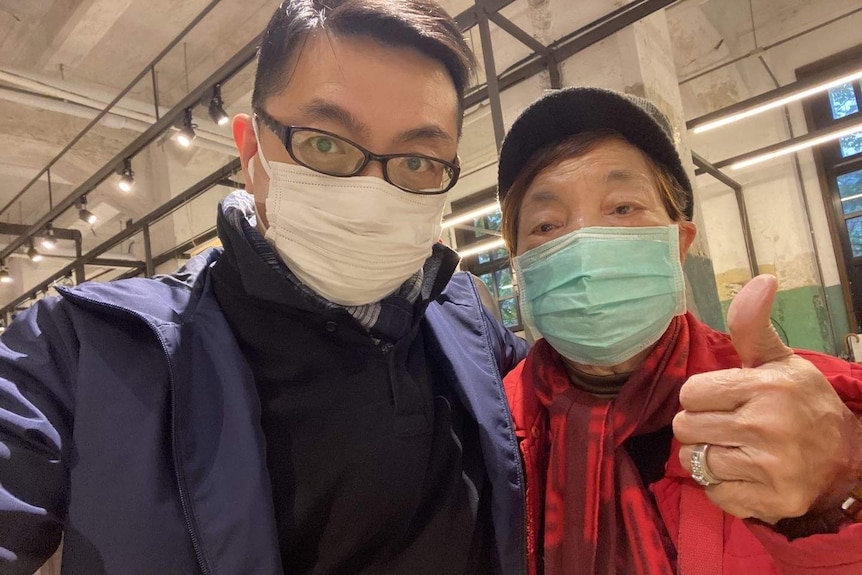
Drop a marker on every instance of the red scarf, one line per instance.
(598, 516)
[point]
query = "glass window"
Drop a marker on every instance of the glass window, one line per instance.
(504, 283)
(489, 281)
(854, 230)
(486, 228)
(851, 145)
(850, 191)
(509, 310)
(843, 101)
(492, 267)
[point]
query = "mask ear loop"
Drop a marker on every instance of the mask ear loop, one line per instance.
(263, 160)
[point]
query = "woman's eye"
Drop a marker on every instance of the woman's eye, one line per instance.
(624, 209)
(544, 228)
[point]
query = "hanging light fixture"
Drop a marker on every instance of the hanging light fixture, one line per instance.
(468, 216)
(5, 276)
(800, 143)
(187, 135)
(127, 177)
(782, 97)
(85, 214)
(34, 254)
(49, 240)
(483, 247)
(216, 107)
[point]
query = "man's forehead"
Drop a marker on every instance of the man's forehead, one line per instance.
(360, 84)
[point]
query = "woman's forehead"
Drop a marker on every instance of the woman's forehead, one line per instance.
(608, 163)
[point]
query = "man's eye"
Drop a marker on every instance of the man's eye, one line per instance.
(323, 144)
(416, 164)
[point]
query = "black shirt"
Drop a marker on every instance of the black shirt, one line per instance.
(374, 464)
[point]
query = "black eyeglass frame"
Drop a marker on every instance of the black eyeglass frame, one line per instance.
(285, 134)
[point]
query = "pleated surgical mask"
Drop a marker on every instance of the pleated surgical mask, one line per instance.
(352, 240)
(601, 295)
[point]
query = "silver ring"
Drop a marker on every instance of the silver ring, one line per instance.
(699, 469)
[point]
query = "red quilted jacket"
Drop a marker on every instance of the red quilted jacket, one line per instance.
(705, 537)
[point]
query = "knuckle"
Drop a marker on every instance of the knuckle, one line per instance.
(795, 505)
(687, 392)
(680, 426)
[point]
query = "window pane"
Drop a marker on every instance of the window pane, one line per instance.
(504, 283)
(854, 230)
(484, 258)
(843, 101)
(851, 145)
(479, 228)
(850, 191)
(509, 311)
(500, 254)
(494, 220)
(489, 281)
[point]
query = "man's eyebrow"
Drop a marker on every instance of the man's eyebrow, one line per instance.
(327, 111)
(425, 133)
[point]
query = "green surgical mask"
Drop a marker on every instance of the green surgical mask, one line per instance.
(600, 296)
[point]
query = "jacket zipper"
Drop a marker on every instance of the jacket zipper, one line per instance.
(181, 481)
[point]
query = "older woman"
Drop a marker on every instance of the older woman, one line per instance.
(652, 443)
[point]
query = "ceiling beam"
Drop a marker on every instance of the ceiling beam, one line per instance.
(236, 63)
(571, 44)
(778, 93)
(82, 32)
(219, 177)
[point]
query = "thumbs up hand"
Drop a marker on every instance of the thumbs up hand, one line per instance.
(781, 441)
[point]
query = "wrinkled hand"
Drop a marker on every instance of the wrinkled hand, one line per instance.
(781, 440)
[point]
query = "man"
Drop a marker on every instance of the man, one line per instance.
(323, 396)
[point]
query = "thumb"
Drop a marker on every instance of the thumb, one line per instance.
(754, 338)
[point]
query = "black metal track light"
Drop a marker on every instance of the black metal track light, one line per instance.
(187, 135)
(85, 214)
(34, 254)
(216, 107)
(127, 177)
(49, 240)
(5, 276)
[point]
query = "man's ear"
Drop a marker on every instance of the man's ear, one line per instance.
(246, 145)
(256, 180)
(687, 233)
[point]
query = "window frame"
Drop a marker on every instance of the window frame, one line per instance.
(830, 165)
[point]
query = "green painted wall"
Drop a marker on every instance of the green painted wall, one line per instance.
(700, 281)
(801, 317)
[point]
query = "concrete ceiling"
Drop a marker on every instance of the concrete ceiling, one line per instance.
(61, 60)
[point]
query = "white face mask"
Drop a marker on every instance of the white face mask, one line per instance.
(352, 240)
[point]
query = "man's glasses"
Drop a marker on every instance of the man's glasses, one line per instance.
(333, 155)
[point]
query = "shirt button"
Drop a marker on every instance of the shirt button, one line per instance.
(331, 327)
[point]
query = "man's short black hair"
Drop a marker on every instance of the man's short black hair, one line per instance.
(419, 24)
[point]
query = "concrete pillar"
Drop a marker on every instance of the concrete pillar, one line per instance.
(647, 69)
(160, 167)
